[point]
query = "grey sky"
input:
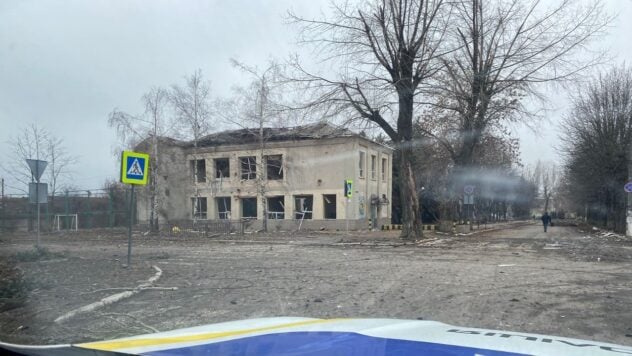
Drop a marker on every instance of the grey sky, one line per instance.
(66, 64)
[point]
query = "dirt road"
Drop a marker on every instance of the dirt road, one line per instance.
(565, 282)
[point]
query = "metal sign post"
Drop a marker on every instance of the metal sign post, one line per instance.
(134, 171)
(37, 169)
(468, 200)
(348, 193)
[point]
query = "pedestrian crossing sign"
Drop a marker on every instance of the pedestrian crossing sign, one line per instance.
(134, 168)
(348, 188)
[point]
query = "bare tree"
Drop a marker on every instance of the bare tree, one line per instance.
(34, 142)
(546, 177)
(59, 164)
(151, 125)
(192, 106)
(193, 113)
(549, 178)
(597, 146)
(504, 51)
(256, 108)
(380, 53)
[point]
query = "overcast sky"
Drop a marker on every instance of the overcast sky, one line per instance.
(66, 64)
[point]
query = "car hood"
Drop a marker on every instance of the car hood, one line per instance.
(308, 336)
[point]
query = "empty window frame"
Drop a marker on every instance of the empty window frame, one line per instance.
(373, 166)
(384, 168)
(274, 167)
(198, 207)
(361, 163)
(198, 170)
(276, 207)
(249, 208)
(248, 167)
(303, 205)
(222, 168)
(223, 208)
(329, 206)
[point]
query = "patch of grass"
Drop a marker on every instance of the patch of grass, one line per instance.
(15, 287)
(162, 256)
(38, 253)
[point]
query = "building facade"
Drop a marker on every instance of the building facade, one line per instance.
(293, 176)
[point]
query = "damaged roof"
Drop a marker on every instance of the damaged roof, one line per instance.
(249, 136)
(304, 132)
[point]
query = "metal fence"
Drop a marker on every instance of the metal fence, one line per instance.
(98, 208)
(83, 209)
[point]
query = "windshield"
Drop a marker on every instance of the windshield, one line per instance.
(173, 164)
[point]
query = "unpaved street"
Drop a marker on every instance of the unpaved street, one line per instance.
(565, 282)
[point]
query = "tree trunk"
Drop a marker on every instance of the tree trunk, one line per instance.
(154, 227)
(411, 222)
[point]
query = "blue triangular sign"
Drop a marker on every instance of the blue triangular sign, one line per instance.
(135, 169)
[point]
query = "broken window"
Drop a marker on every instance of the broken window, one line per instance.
(222, 168)
(249, 208)
(361, 164)
(303, 206)
(248, 166)
(373, 166)
(329, 203)
(223, 208)
(198, 207)
(384, 168)
(276, 207)
(274, 167)
(198, 170)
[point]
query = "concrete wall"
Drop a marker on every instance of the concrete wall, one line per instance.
(310, 167)
(175, 185)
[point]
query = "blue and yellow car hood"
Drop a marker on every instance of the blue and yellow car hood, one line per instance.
(307, 336)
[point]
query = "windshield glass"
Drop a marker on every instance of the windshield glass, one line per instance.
(174, 164)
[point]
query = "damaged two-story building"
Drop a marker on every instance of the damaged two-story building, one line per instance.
(293, 176)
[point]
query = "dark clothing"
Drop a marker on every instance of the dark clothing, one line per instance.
(546, 220)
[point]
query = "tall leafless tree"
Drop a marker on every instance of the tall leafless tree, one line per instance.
(192, 107)
(256, 108)
(34, 142)
(504, 50)
(379, 54)
(151, 125)
(59, 165)
(597, 146)
(547, 178)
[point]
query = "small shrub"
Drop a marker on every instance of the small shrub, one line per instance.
(38, 253)
(15, 287)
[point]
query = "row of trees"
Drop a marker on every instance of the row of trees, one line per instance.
(500, 188)
(441, 79)
(182, 111)
(451, 73)
(460, 70)
(598, 144)
(189, 112)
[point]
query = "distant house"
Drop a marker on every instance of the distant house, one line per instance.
(300, 170)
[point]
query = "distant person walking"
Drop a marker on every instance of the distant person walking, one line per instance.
(546, 220)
